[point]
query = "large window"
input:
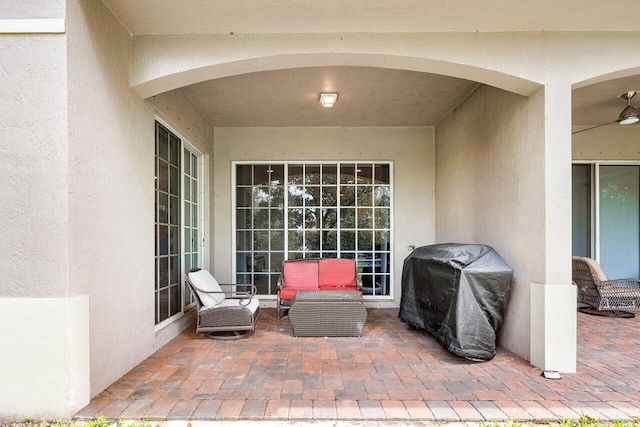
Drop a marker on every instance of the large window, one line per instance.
(303, 210)
(178, 243)
(606, 216)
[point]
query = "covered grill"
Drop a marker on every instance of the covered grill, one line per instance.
(457, 292)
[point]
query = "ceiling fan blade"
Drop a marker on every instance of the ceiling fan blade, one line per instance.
(594, 127)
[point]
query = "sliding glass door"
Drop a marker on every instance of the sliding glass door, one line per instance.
(606, 216)
(619, 231)
(178, 222)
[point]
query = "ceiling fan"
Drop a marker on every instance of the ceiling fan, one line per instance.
(628, 116)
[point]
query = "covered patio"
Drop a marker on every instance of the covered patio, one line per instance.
(391, 373)
(142, 139)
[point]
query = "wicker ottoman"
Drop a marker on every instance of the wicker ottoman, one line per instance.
(327, 314)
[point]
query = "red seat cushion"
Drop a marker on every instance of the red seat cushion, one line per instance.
(337, 272)
(300, 275)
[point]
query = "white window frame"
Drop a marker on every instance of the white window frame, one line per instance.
(202, 210)
(286, 163)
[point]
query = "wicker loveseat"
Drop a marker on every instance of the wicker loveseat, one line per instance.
(314, 274)
(598, 293)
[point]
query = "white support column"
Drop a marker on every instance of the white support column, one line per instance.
(553, 303)
(44, 357)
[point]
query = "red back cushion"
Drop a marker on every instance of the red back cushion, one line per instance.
(337, 272)
(300, 275)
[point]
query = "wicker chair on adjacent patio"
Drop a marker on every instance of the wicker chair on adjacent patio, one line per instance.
(599, 295)
(223, 315)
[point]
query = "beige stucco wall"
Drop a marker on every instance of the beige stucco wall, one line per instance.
(33, 166)
(77, 166)
(111, 190)
(34, 257)
(613, 142)
(410, 148)
(489, 175)
(111, 197)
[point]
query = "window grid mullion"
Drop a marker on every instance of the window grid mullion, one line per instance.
(304, 211)
(286, 211)
(268, 266)
(319, 210)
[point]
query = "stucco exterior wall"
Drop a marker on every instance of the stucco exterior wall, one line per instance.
(33, 166)
(111, 190)
(34, 257)
(177, 110)
(613, 142)
(411, 149)
(111, 167)
(489, 176)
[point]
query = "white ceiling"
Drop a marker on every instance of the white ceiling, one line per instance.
(331, 16)
(366, 97)
(600, 103)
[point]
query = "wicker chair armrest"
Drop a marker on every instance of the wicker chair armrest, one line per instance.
(252, 289)
(208, 292)
(245, 299)
(619, 283)
(280, 286)
(233, 294)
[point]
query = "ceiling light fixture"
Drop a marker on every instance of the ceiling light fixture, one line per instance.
(630, 113)
(328, 99)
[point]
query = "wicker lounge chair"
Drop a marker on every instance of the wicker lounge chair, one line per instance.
(223, 314)
(598, 294)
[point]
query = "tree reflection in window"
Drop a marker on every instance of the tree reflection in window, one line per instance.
(302, 210)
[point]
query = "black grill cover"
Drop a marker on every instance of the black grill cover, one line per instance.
(457, 292)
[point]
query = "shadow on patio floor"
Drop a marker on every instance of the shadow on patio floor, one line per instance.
(391, 373)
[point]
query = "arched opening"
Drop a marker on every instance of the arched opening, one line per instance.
(407, 114)
(158, 77)
(605, 202)
(606, 127)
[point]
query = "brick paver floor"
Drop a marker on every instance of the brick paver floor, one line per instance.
(391, 373)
